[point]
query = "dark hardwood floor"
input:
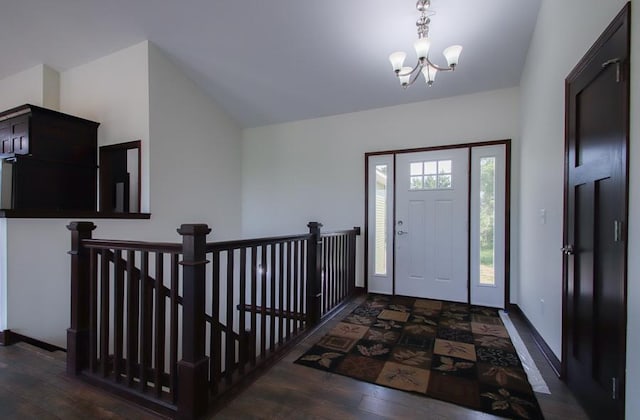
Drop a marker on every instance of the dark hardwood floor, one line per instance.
(34, 385)
(291, 391)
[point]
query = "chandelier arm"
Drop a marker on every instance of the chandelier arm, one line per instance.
(416, 75)
(413, 70)
(437, 67)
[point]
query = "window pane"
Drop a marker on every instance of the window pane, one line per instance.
(430, 182)
(416, 168)
(381, 220)
(444, 181)
(416, 183)
(487, 221)
(431, 168)
(444, 167)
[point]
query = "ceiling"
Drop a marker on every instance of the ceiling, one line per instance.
(272, 61)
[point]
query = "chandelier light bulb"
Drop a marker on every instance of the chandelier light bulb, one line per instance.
(397, 60)
(405, 76)
(422, 46)
(429, 72)
(452, 54)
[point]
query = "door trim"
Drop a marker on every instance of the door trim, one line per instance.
(469, 145)
(623, 18)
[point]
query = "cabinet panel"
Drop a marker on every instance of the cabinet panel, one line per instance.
(6, 145)
(55, 155)
(20, 135)
(58, 187)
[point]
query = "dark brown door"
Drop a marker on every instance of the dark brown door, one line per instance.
(597, 114)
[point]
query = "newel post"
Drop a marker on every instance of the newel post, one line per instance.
(78, 332)
(193, 369)
(352, 259)
(314, 274)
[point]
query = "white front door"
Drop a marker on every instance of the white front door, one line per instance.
(431, 224)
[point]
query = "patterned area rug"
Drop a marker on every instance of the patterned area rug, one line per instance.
(450, 351)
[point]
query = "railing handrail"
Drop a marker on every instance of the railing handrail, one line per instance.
(168, 247)
(245, 243)
(341, 232)
(176, 248)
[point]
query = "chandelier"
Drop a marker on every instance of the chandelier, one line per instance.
(408, 75)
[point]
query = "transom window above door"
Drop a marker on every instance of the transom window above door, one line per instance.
(431, 175)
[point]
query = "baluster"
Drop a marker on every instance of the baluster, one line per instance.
(173, 357)
(272, 317)
(281, 292)
(290, 320)
(146, 320)
(263, 303)
(242, 314)
(133, 299)
(230, 354)
(296, 281)
(93, 286)
(340, 264)
(118, 271)
(254, 301)
(104, 313)
(216, 333)
(302, 275)
(160, 323)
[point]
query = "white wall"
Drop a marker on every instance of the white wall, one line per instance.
(313, 170)
(191, 173)
(114, 91)
(564, 32)
(37, 85)
(195, 154)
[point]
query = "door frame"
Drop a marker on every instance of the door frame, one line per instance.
(623, 18)
(507, 213)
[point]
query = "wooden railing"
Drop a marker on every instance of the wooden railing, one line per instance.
(158, 324)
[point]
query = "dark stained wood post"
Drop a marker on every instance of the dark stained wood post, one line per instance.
(352, 259)
(78, 333)
(314, 274)
(193, 369)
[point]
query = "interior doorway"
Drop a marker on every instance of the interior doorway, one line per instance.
(437, 223)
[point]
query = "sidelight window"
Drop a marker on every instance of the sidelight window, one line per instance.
(381, 220)
(487, 202)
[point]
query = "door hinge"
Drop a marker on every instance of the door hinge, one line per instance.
(615, 61)
(614, 388)
(617, 231)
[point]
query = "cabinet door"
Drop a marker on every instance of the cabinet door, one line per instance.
(14, 136)
(6, 144)
(20, 135)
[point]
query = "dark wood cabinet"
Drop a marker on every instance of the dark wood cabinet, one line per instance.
(54, 159)
(14, 136)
